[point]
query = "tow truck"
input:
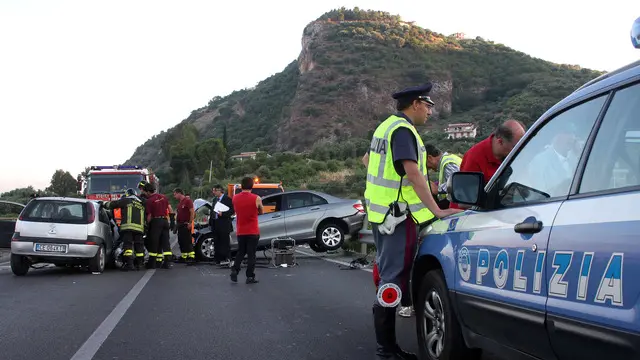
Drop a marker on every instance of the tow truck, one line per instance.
(260, 189)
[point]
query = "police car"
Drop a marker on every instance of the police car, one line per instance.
(546, 262)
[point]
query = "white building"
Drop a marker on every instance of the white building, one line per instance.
(461, 130)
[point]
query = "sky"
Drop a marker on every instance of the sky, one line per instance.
(86, 82)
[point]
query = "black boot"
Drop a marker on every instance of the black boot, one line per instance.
(151, 263)
(128, 263)
(384, 320)
(166, 264)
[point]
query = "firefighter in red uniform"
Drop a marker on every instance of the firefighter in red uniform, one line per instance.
(157, 206)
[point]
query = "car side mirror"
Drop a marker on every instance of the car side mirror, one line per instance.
(467, 188)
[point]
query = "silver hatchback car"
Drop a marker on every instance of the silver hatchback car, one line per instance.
(62, 231)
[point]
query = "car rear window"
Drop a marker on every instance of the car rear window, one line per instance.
(55, 211)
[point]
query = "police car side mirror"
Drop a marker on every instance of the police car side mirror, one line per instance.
(467, 188)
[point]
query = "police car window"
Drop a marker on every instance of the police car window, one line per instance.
(545, 166)
(614, 161)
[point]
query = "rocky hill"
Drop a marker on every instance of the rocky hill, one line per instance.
(339, 89)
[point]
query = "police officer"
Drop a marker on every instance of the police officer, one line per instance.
(445, 164)
(398, 197)
(157, 206)
(131, 228)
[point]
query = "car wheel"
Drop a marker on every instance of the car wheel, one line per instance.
(315, 247)
(439, 333)
(98, 262)
(330, 237)
(19, 265)
(204, 249)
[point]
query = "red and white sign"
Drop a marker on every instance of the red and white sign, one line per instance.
(389, 295)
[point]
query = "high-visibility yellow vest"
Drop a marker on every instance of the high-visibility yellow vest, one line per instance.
(382, 180)
(444, 161)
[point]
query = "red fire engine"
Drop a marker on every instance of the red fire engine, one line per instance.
(108, 183)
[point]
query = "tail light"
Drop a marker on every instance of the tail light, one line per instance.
(358, 207)
(91, 213)
(15, 237)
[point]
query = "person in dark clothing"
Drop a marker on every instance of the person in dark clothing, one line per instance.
(221, 225)
(131, 228)
(247, 206)
(157, 207)
(184, 218)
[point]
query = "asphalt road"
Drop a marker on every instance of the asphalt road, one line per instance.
(310, 311)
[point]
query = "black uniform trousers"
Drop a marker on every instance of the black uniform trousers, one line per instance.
(158, 238)
(132, 241)
(184, 240)
(247, 244)
(222, 244)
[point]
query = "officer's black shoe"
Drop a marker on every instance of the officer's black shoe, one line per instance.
(234, 276)
(403, 355)
(384, 323)
(128, 265)
(138, 263)
(191, 261)
(166, 264)
(251, 280)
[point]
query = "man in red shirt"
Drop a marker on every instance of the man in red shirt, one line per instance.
(487, 155)
(247, 206)
(184, 217)
(157, 207)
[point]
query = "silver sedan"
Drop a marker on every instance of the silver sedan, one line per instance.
(321, 220)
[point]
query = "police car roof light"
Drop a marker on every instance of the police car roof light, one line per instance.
(635, 33)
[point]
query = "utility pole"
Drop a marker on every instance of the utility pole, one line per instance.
(210, 169)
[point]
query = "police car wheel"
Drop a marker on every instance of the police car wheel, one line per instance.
(439, 333)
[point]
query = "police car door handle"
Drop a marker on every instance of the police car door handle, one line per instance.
(276, 215)
(528, 227)
(315, 208)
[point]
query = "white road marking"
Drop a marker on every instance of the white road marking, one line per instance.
(95, 341)
(331, 260)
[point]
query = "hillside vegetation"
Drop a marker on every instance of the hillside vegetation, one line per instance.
(315, 118)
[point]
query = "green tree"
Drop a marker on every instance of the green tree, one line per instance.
(63, 183)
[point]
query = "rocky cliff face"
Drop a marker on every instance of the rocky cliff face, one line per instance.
(340, 87)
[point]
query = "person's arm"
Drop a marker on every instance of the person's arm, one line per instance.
(147, 209)
(422, 190)
(405, 159)
(365, 159)
(227, 214)
(192, 212)
(259, 205)
(449, 169)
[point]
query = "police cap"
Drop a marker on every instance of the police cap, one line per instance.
(415, 93)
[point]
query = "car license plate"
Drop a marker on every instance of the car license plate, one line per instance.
(51, 248)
